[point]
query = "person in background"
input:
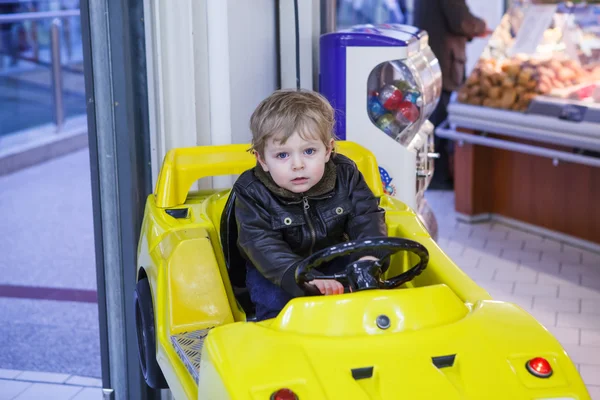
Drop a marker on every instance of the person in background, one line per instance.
(8, 44)
(450, 25)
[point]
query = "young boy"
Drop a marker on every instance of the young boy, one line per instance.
(300, 198)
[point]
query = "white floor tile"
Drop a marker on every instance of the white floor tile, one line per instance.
(543, 245)
(594, 392)
(496, 263)
(565, 335)
(589, 271)
(590, 307)
(563, 257)
(545, 278)
(544, 317)
(49, 377)
(453, 249)
(483, 253)
(576, 320)
(516, 245)
(525, 302)
(48, 391)
(535, 289)
(571, 291)
(522, 235)
(493, 236)
(465, 262)
(556, 304)
(521, 255)
(498, 289)
(10, 389)
(590, 338)
(9, 373)
(89, 394)
(84, 381)
(520, 275)
(583, 354)
(590, 374)
(542, 266)
(477, 274)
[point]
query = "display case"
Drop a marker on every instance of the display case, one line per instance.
(539, 50)
(527, 123)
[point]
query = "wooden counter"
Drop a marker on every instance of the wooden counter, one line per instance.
(563, 197)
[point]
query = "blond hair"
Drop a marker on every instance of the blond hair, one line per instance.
(286, 112)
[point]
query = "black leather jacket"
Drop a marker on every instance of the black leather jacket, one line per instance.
(277, 228)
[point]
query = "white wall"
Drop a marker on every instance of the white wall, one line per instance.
(252, 60)
(210, 63)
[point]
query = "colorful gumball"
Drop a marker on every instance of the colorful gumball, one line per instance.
(388, 124)
(401, 119)
(376, 109)
(408, 110)
(390, 97)
(402, 85)
(412, 96)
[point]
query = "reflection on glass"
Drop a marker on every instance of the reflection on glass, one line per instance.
(395, 101)
(355, 12)
(26, 96)
(540, 48)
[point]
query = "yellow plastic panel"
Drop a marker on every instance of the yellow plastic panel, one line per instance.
(258, 359)
(355, 313)
(183, 166)
(197, 296)
(366, 163)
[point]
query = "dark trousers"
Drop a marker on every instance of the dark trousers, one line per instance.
(269, 299)
(442, 176)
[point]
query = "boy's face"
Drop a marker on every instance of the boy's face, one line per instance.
(298, 164)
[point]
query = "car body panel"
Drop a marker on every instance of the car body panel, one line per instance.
(315, 342)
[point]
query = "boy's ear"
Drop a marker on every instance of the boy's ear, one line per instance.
(261, 162)
(329, 150)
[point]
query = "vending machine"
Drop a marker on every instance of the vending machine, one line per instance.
(384, 82)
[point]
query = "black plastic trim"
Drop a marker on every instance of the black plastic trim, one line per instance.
(443, 361)
(362, 373)
(177, 212)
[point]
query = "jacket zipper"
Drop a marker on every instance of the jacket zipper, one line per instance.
(310, 225)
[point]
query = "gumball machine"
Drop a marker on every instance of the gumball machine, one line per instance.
(384, 82)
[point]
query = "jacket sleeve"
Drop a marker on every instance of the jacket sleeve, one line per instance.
(460, 20)
(263, 246)
(366, 219)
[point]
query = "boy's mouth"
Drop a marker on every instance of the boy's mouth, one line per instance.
(299, 181)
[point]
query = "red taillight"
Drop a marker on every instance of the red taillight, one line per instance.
(284, 394)
(539, 367)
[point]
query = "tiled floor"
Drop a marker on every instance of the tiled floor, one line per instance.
(28, 385)
(556, 283)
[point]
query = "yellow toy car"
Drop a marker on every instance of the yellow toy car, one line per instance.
(420, 330)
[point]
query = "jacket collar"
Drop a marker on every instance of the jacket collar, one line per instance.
(325, 185)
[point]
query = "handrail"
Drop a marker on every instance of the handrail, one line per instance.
(31, 16)
(444, 131)
(55, 52)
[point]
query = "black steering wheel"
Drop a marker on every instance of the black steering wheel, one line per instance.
(363, 274)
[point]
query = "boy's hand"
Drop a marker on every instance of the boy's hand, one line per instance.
(328, 286)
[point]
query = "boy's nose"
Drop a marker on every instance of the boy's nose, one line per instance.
(297, 163)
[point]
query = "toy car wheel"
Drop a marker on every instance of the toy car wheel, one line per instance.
(144, 322)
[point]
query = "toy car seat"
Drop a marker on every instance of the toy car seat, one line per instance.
(235, 263)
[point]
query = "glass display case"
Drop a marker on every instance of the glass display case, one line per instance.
(540, 50)
(526, 124)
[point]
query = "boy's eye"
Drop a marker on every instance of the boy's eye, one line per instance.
(281, 155)
(310, 152)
